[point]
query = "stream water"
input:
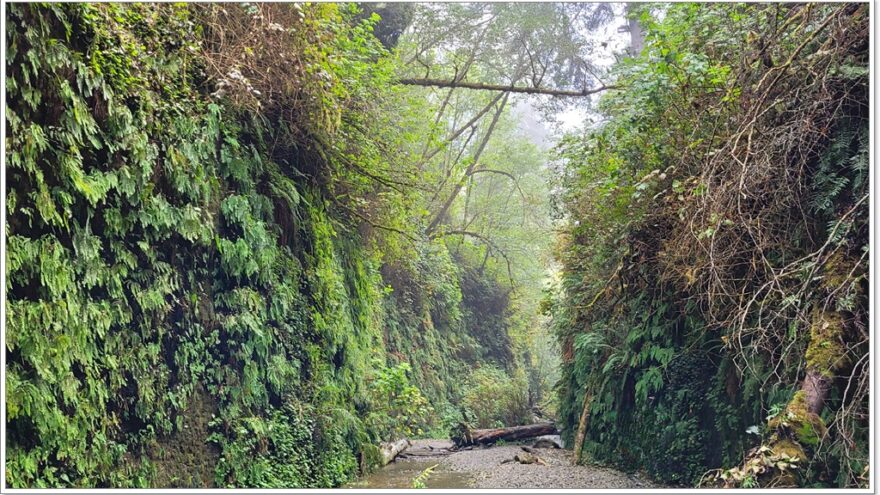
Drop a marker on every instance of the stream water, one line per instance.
(401, 474)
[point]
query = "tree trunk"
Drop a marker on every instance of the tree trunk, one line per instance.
(582, 429)
(636, 36)
(390, 450)
(492, 435)
(444, 83)
(798, 429)
(438, 217)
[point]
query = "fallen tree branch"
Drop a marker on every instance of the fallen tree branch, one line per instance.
(602, 290)
(390, 450)
(443, 83)
(582, 428)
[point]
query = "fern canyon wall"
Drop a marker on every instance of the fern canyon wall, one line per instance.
(714, 297)
(248, 245)
(195, 295)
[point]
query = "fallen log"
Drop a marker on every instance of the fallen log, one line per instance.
(390, 450)
(492, 435)
(424, 453)
(526, 458)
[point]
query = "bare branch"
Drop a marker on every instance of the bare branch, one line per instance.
(449, 200)
(463, 128)
(506, 174)
(373, 224)
(488, 242)
(442, 83)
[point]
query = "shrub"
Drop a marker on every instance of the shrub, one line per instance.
(397, 407)
(493, 398)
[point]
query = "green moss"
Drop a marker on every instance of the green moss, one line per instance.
(826, 352)
(837, 271)
(789, 449)
(805, 426)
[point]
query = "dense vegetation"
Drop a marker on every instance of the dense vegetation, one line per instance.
(200, 291)
(714, 291)
(247, 243)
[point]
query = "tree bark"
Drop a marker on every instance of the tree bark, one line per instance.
(582, 429)
(636, 36)
(815, 387)
(390, 450)
(492, 435)
(444, 83)
(797, 430)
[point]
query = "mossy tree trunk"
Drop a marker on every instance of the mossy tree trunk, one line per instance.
(796, 432)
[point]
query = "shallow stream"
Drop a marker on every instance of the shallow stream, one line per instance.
(401, 474)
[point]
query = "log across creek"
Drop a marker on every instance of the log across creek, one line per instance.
(511, 433)
(468, 438)
(391, 450)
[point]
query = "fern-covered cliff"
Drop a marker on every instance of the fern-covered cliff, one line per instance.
(195, 292)
(714, 305)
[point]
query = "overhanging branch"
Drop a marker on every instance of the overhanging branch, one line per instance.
(442, 83)
(506, 174)
(488, 242)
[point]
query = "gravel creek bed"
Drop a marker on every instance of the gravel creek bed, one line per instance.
(483, 468)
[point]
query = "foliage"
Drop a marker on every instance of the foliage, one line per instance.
(279, 451)
(495, 399)
(202, 198)
(158, 243)
(706, 227)
(431, 321)
(398, 408)
(419, 481)
(91, 230)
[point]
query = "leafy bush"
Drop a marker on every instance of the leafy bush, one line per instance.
(493, 398)
(280, 451)
(397, 408)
